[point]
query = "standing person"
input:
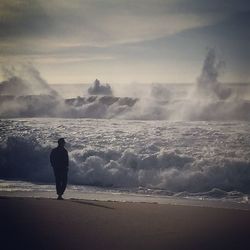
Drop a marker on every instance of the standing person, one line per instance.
(60, 162)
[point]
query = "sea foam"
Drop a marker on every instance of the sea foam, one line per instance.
(172, 157)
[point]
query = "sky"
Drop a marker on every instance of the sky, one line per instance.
(124, 41)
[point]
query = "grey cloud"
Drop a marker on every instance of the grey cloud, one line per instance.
(212, 6)
(23, 18)
(56, 31)
(94, 22)
(108, 20)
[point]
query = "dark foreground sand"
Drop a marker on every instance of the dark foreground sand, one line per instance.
(29, 223)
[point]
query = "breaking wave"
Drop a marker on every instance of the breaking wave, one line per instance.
(26, 94)
(163, 171)
(107, 107)
(99, 89)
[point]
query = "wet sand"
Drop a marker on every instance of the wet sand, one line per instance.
(40, 223)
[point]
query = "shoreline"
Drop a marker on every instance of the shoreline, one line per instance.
(42, 223)
(104, 196)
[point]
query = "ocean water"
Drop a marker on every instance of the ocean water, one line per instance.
(180, 159)
(127, 141)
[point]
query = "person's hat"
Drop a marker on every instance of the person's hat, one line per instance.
(61, 141)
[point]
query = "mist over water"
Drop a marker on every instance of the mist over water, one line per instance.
(100, 89)
(208, 85)
(23, 79)
(25, 93)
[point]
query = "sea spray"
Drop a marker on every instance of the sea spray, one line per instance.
(208, 85)
(26, 94)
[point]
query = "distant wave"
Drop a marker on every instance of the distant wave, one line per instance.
(25, 93)
(107, 107)
(99, 89)
(30, 106)
(26, 159)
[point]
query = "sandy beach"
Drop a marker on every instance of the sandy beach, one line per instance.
(40, 223)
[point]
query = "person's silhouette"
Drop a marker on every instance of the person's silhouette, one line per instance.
(60, 162)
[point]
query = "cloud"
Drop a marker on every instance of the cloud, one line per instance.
(80, 31)
(92, 23)
(212, 6)
(21, 18)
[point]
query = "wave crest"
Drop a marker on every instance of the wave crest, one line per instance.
(26, 159)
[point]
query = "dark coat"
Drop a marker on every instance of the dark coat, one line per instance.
(59, 158)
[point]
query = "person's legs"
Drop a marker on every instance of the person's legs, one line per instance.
(61, 177)
(64, 181)
(58, 181)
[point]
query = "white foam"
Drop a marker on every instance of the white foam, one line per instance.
(171, 157)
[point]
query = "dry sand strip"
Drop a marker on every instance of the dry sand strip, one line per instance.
(32, 223)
